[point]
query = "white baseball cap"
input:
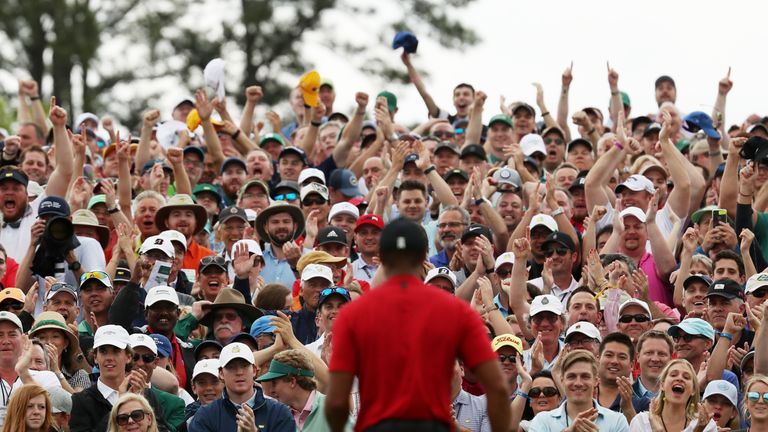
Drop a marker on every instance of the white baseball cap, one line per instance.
(544, 220)
(9, 316)
(724, 388)
(505, 258)
(253, 246)
(308, 173)
(174, 235)
(633, 211)
(317, 188)
(443, 272)
(586, 328)
(235, 350)
(251, 215)
(756, 281)
(635, 302)
(158, 242)
(140, 339)
(532, 143)
(161, 293)
(546, 303)
(316, 270)
(113, 335)
(343, 208)
(209, 366)
(637, 183)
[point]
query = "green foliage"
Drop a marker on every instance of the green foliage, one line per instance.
(7, 115)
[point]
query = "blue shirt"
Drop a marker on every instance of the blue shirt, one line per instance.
(557, 420)
(440, 259)
(275, 270)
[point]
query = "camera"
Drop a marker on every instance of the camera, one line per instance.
(57, 240)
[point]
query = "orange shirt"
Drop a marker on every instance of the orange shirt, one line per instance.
(194, 254)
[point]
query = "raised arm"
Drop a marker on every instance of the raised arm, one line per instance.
(600, 174)
(475, 126)
(253, 95)
(690, 241)
(441, 188)
(150, 119)
(176, 158)
(29, 88)
(517, 291)
(432, 108)
(205, 109)
(310, 138)
(734, 325)
(662, 254)
(616, 104)
(352, 131)
(680, 197)
(562, 104)
(723, 88)
(59, 179)
(124, 177)
(549, 121)
(729, 184)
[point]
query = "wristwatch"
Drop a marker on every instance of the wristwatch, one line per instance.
(60, 376)
(75, 266)
(558, 211)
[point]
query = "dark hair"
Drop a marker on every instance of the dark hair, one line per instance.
(272, 297)
(663, 79)
(533, 290)
(606, 229)
(412, 185)
(580, 289)
(34, 149)
(528, 411)
(464, 85)
(621, 338)
(731, 255)
(609, 258)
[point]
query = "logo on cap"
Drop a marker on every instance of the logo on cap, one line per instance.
(353, 181)
(332, 234)
(443, 270)
(504, 174)
(762, 277)
(9, 174)
(545, 301)
(236, 349)
(719, 286)
(722, 387)
(233, 210)
(400, 242)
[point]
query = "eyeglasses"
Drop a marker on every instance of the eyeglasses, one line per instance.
(584, 341)
(503, 273)
(291, 196)
(11, 305)
(312, 201)
(136, 416)
(755, 396)
(147, 358)
(560, 252)
(329, 291)
(685, 337)
(759, 293)
(546, 391)
(640, 318)
(195, 163)
(557, 141)
(444, 225)
(549, 317)
(100, 275)
(237, 228)
(512, 358)
(444, 134)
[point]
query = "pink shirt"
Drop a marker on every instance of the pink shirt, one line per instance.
(658, 290)
(301, 416)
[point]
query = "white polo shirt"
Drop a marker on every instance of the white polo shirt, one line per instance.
(16, 240)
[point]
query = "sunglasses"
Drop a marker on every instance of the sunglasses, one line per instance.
(584, 341)
(136, 416)
(557, 141)
(147, 358)
(549, 317)
(213, 259)
(755, 396)
(546, 391)
(291, 196)
(329, 291)
(626, 319)
(310, 202)
(759, 293)
(512, 358)
(100, 275)
(11, 305)
(560, 252)
(504, 273)
(686, 337)
(444, 134)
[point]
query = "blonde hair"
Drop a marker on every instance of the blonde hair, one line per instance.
(298, 360)
(132, 397)
(692, 407)
(576, 356)
(16, 413)
(752, 381)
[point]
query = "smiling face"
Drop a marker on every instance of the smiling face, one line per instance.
(64, 304)
(367, 239)
(721, 409)
(183, 221)
(634, 329)
(412, 204)
(112, 362)
(718, 308)
(95, 297)
(144, 217)
(634, 236)
(126, 409)
(508, 366)
(678, 383)
(162, 316)
(34, 166)
(510, 208)
(280, 228)
(549, 325)
(652, 357)
(233, 178)
(582, 308)
(226, 323)
(543, 402)
(758, 409)
(212, 280)
(615, 362)
(579, 381)
(259, 164)
(207, 388)
(462, 98)
(693, 349)
(694, 297)
(55, 337)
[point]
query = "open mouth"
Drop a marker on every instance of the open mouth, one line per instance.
(9, 204)
(678, 389)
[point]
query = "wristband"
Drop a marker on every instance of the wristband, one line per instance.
(315, 124)
(591, 131)
(429, 170)
(113, 210)
(558, 211)
(236, 134)
(727, 336)
(34, 98)
(523, 395)
(617, 144)
(480, 201)
(614, 93)
(545, 114)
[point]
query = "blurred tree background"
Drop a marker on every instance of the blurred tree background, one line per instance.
(84, 51)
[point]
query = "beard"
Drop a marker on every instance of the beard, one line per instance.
(448, 244)
(280, 240)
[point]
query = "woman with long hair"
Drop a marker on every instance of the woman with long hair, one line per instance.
(132, 413)
(677, 407)
(29, 410)
(756, 402)
(543, 396)
(63, 348)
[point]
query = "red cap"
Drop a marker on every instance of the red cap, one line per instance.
(356, 201)
(370, 219)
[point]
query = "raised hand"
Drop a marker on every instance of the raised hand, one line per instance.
(580, 118)
(666, 127)
(361, 99)
(57, 114)
(242, 262)
(151, 118)
(253, 94)
(725, 85)
(274, 120)
(29, 88)
(203, 105)
(567, 77)
(539, 93)
(522, 249)
(690, 240)
(613, 78)
(653, 207)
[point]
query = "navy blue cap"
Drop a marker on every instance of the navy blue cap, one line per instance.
(12, 173)
(196, 150)
(206, 344)
(245, 338)
(53, 205)
(344, 180)
(233, 160)
(294, 150)
(699, 120)
(164, 348)
(413, 157)
(405, 40)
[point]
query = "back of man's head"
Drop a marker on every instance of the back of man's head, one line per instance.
(403, 246)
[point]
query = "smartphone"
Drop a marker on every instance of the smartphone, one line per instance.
(718, 216)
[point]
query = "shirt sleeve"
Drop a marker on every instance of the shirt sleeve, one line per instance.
(474, 347)
(344, 356)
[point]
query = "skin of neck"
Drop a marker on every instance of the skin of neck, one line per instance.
(562, 279)
(634, 254)
(649, 383)
(113, 383)
(240, 398)
(575, 408)
(300, 400)
(551, 349)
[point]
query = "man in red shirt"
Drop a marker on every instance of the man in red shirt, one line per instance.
(397, 341)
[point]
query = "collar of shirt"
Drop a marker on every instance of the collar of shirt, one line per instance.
(642, 391)
(307, 406)
(561, 413)
(267, 252)
(108, 392)
(462, 398)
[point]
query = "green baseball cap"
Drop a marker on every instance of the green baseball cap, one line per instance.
(271, 137)
(279, 370)
(391, 100)
(624, 99)
(500, 118)
(206, 187)
(97, 199)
